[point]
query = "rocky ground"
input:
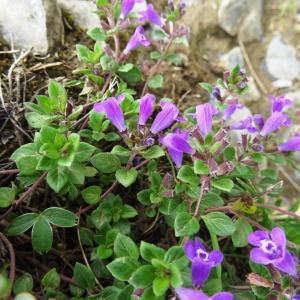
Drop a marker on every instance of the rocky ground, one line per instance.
(263, 36)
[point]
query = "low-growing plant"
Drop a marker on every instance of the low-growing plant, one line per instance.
(166, 204)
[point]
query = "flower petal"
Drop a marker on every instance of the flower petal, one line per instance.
(98, 107)
(138, 38)
(278, 237)
(200, 271)
(204, 116)
(165, 118)
(274, 122)
(257, 236)
(190, 250)
(114, 113)
(190, 294)
(216, 257)
(146, 108)
(151, 15)
(176, 156)
(258, 256)
(222, 296)
(287, 265)
(292, 144)
(126, 8)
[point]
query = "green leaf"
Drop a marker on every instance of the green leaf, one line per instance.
(229, 153)
(23, 151)
(125, 68)
(83, 276)
(156, 82)
(57, 179)
(219, 223)
(206, 86)
(153, 152)
(185, 224)
(41, 235)
(126, 177)
(125, 246)
(58, 94)
(123, 267)
(175, 278)
(60, 217)
(96, 34)
(7, 196)
(128, 212)
(200, 168)
(240, 235)
(186, 174)
(37, 120)
(5, 287)
(142, 277)
(23, 284)
(120, 151)
(176, 255)
(51, 279)
(22, 223)
(150, 251)
(223, 184)
(211, 199)
(134, 75)
(106, 162)
(84, 152)
(160, 286)
(92, 194)
(47, 134)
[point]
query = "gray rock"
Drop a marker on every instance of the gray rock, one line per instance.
(281, 60)
(82, 12)
(232, 58)
(201, 24)
(242, 17)
(29, 24)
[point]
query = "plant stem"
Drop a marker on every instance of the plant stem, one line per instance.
(196, 213)
(84, 256)
(13, 171)
(10, 248)
(283, 211)
(25, 195)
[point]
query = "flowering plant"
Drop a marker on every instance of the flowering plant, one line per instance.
(167, 203)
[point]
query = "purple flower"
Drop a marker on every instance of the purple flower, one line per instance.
(202, 261)
(292, 144)
(146, 108)
(279, 103)
(246, 124)
(151, 15)
(231, 109)
(127, 7)
(165, 118)
(191, 294)
(276, 120)
(137, 39)
(177, 144)
(259, 121)
(204, 115)
(111, 107)
(271, 249)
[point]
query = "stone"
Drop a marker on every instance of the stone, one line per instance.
(230, 59)
(201, 24)
(281, 60)
(81, 13)
(282, 83)
(30, 24)
(242, 18)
